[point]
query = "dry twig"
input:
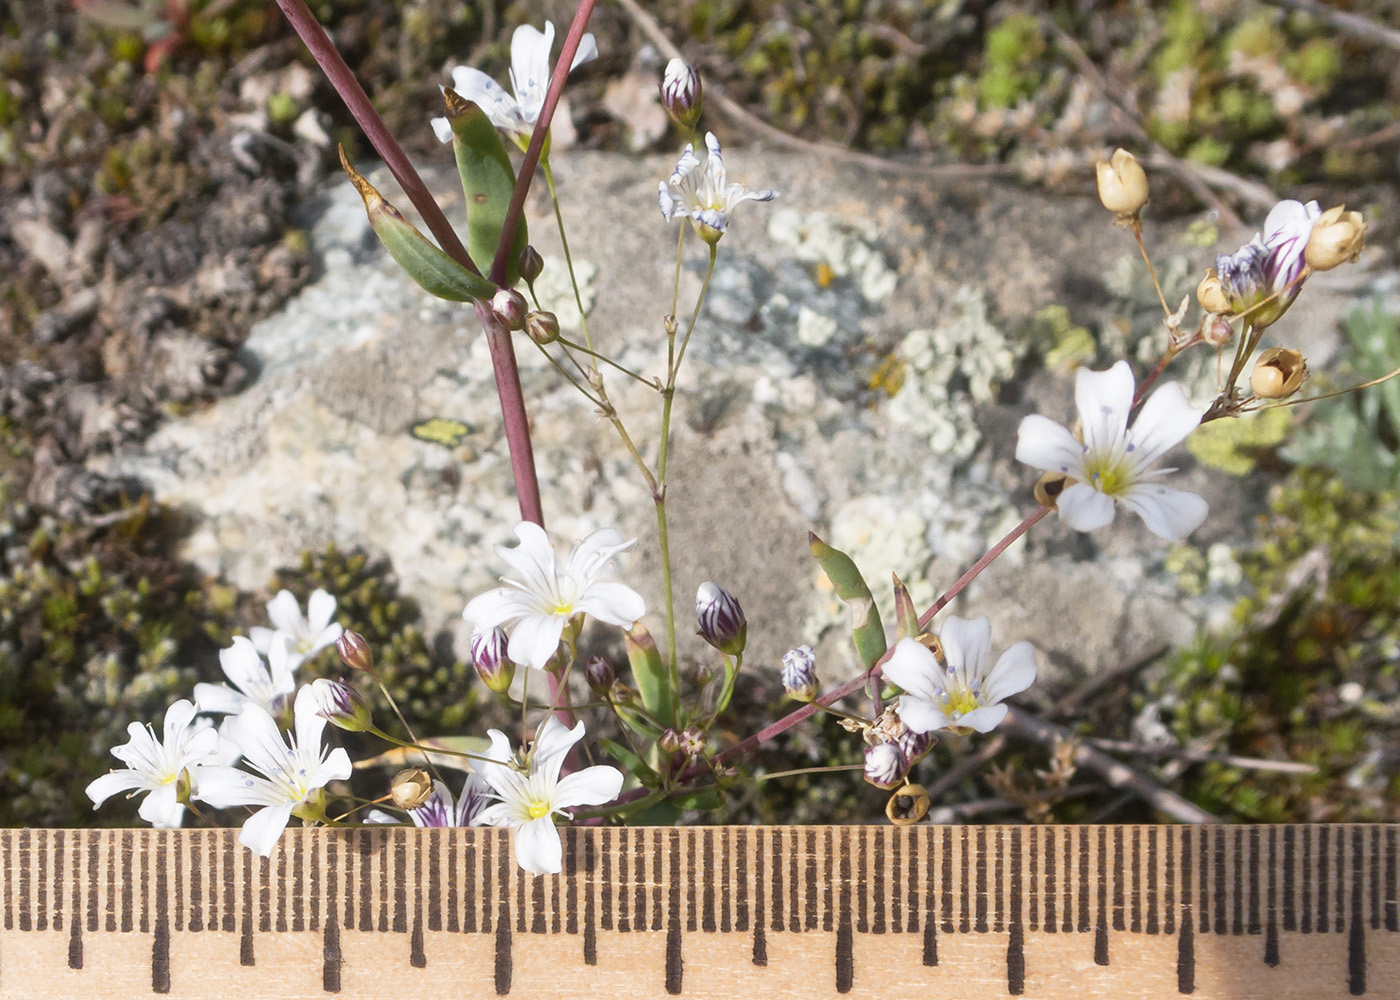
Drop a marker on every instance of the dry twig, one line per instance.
(1345, 22)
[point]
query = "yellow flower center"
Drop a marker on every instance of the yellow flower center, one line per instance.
(567, 610)
(1107, 479)
(959, 703)
(538, 810)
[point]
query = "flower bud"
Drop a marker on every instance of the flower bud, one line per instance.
(885, 765)
(342, 705)
(915, 745)
(1337, 238)
(670, 741)
(510, 308)
(722, 621)
(1278, 373)
(599, 674)
(908, 805)
(1217, 331)
(680, 93)
(354, 651)
(1049, 487)
(1211, 294)
(543, 327)
(493, 666)
(800, 674)
(693, 741)
(1122, 183)
(530, 264)
(411, 788)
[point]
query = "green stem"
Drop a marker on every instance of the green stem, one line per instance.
(568, 257)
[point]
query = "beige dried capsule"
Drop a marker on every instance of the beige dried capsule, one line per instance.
(933, 644)
(1278, 373)
(411, 788)
(1336, 238)
(1049, 487)
(908, 805)
(1122, 183)
(1211, 294)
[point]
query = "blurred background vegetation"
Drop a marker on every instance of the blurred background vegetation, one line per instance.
(141, 137)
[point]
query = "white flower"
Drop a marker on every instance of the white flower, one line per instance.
(540, 607)
(156, 766)
(290, 779)
(964, 695)
(251, 682)
(310, 633)
(703, 196)
(529, 78)
(442, 809)
(1269, 264)
(1115, 463)
(529, 798)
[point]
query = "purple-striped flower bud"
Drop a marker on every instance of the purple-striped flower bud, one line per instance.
(680, 93)
(914, 745)
(800, 674)
(542, 327)
(670, 741)
(342, 705)
(510, 308)
(599, 674)
(722, 621)
(492, 665)
(885, 765)
(530, 263)
(354, 651)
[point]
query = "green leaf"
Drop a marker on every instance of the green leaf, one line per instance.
(866, 629)
(434, 271)
(624, 756)
(704, 799)
(650, 674)
(906, 616)
(488, 181)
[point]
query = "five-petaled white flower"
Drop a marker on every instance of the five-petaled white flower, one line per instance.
(157, 766)
(1270, 264)
(965, 694)
(536, 610)
(310, 633)
(529, 78)
(530, 794)
(442, 809)
(1114, 463)
(251, 682)
(702, 195)
(290, 779)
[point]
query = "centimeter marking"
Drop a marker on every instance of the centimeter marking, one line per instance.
(823, 895)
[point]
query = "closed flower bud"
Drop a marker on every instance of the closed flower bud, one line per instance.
(530, 264)
(411, 788)
(693, 741)
(1337, 238)
(510, 308)
(543, 327)
(885, 765)
(908, 805)
(1122, 183)
(492, 665)
(670, 741)
(722, 621)
(342, 705)
(1211, 294)
(680, 93)
(599, 674)
(354, 651)
(1278, 373)
(1217, 331)
(915, 745)
(800, 674)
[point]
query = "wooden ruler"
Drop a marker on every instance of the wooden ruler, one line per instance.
(722, 912)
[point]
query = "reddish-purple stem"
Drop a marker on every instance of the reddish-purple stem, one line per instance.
(512, 398)
(982, 564)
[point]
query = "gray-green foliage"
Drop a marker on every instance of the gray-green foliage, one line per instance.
(1358, 435)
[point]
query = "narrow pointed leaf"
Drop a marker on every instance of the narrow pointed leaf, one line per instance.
(488, 181)
(650, 675)
(906, 616)
(637, 767)
(866, 629)
(434, 271)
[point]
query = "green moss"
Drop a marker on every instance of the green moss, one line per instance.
(1010, 56)
(1232, 444)
(1185, 32)
(1256, 38)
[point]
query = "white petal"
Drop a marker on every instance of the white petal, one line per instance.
(177, 719)
(496, 814)
(592, 786)
(529, 66)
(1084, 508)
(967, 643)
(1014, 672)
(102, 788)
(592, 555)
(912, 667)
(1163, 423)
(554, 741)
(161, 808)
(1104, 399)
(261, 830)
(261, 637)
(1043, 444)
(478, 88)
(537, 847)
(587, 51)
(242, 665)
(442, 129)
(285, 613)
(983, 719)
(535, 639)
(533, 558)
(921, 716)
(1172, 514)
(320, 609)
(498, 607)
(336, 767)
(614, 603)
(667, 203)
(309, 721)
(257, 738)
(225, 787)
(218, 698)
